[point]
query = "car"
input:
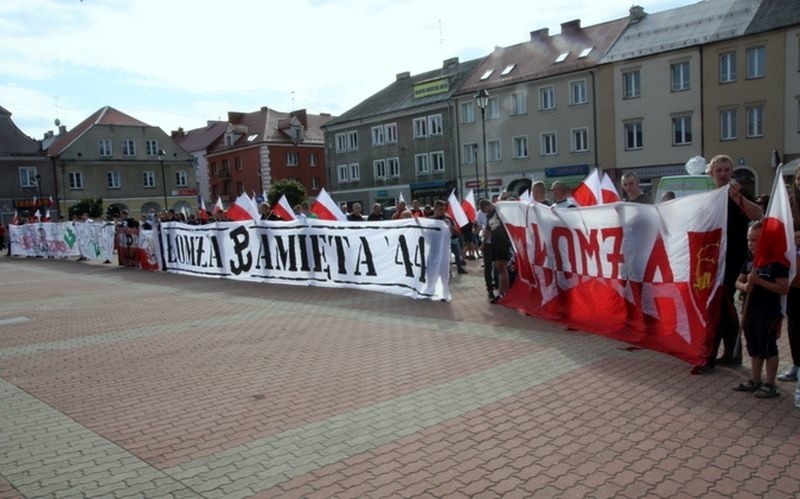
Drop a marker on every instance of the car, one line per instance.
(683, 185)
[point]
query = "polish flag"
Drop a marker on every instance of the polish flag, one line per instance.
(608, 191)
(15, 218)
(526, 197)
(38, 216)
(588, 193)
(401, 199)
(46, 216)
(455, 210)
(185, 213)
(218, 207)
(51, 202)
(202, 213)
(325, 208)
(776, 244)
(283, 210)
(243, 209)
(468, 205)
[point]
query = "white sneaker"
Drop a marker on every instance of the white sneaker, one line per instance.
(789, 375)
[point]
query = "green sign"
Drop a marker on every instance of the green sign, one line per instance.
(429, 88)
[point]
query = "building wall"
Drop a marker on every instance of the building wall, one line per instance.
(791, 139)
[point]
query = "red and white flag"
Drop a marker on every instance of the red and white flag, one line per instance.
(455, 210)
(38, 216)
(608, 191)
(243, 209)
(15, 218)
(35, 201)
(51, 202)
(401, 199)
(283, 210)
(468, 205)
(218, 207)
(526, 197)
(202, 213)
(325, 208)
(776, 244)
(46, 215)
(588, 193)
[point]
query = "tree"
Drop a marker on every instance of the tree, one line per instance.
(294, 191)
(93, 207)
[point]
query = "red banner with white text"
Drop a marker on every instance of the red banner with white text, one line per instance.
(644, 274)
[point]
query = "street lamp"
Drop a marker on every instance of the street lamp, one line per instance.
(161, 156)
(482, 98)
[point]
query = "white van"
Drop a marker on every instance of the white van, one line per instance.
(683, 185)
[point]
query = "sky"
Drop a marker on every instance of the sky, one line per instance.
(181, 63)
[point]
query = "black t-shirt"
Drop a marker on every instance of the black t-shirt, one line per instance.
(737, 251)
(763, 301)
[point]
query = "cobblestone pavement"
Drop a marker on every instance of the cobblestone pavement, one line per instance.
(122, 383)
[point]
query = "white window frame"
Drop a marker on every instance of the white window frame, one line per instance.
(378, 136)
(75, 181)
(151, 146)
(148, 179)
(493, 150)
(631, 84)
(548, 143)
(469, 155)
(27, 176)
(755, 121)
(547, 98)
(342, 174)
(355, 172)
(577, 92)
(727, 124)
(422, 164)
(519, 147)
(681, 130)
(379, 168)
(434, 124)
(341, 142)
(313, 159)
(519, 103)
(113, 180)
(420, 127)
(755, 62)
(390, 133)
(181, 178)
(493, 108)
(467, 112)
(579, 139)
(352, 141)
(315, 183)
(637, 129)
(680, 76)
(727, 67)
(393, 165)
(437, 162)
(104, 148)
(128, 147)
(292, 158)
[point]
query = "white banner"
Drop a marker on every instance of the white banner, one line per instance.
(93, 240)
(409, 257)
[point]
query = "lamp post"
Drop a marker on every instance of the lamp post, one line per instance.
(482, 98)
(161, 155)
(63, 192)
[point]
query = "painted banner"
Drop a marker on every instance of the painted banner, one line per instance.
(409, 257)
(95, 240)
(643, 274)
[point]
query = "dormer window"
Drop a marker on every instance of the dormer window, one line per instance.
(508, 69)
(487, 74)
(562, 57)
(252, 137)
(585, 52)
(229, 139)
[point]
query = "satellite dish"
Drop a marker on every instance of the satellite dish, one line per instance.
(57, 122)
(696, 165)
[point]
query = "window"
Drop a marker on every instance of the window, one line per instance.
(435, 124)
(468, 112)
(727, 67)
(562, 57)
(390, 131)
(214, 168)
(680, 76)
(151, 146)
(342, 174)
(128, 147)
(520, 147)
(470, 153)
(355, 172)
(547, 98)
(493, 108)
(421, 164)
(379, 168)
(437, 161)
(487, 74)
(580, 139)
(518, 104)
(315, 183)
(493, 150)
(633, 135)
(585, 52)
(149, 178)
(27, 176)
(75, 180)
(112, 180)
(577, 92)
(755, 62)
(181, 179)
(549, 144)
(104, 147)
(341, 142)
(755, 121)
(631, 85)
(292, 158)
(230, 138)
(352, 141)
(420, 127)
(394, 167)
(313, 159)
(378, 136)
(238, 163)
(507, 69)
(239, 187)
(681, 130)
(727, 124)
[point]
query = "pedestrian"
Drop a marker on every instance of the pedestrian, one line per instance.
(793, 299)
(763, 316)
(632, 190)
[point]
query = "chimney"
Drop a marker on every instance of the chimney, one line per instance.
(62, 129)
(450, 63)
(637, 13)
(540, 34)
(48, 134)
(403, 76)
(573, 26)
(177, 134)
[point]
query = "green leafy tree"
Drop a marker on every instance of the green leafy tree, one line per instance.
(92, 206)
(294, 191)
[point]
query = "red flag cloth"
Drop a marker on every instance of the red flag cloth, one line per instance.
(588, 193)
(468, 205)
(455, 210)
(283, 210)
(46, 216)
(325, 207)
(607, 190)
(38, 216)
(218, 207)
(15, 218)
(50, 201)
(243, 209)
(202, 213)
(776, 244)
